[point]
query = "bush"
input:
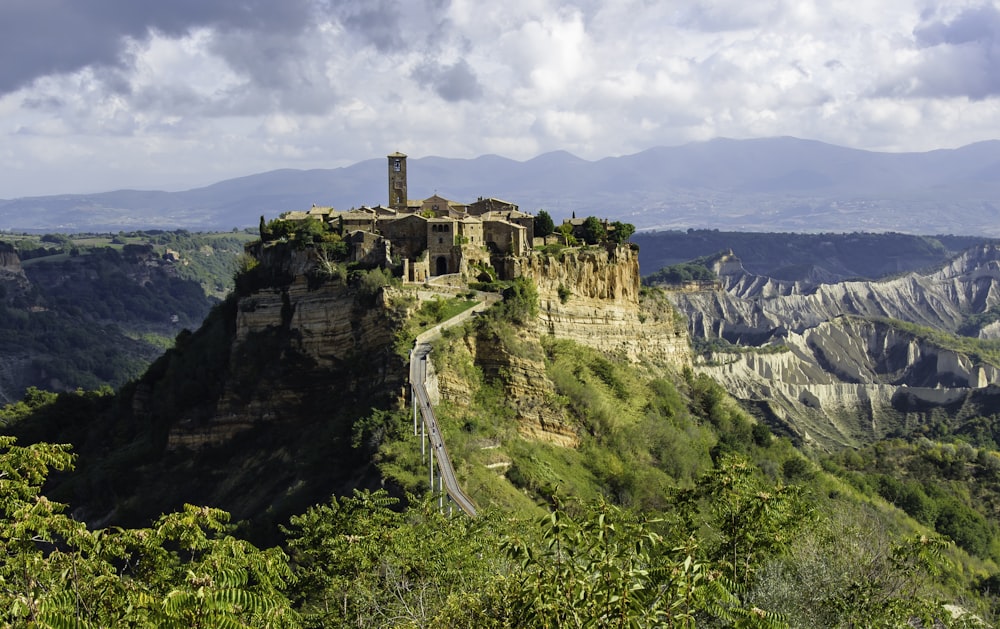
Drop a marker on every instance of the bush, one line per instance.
(563, 293)
(370, 283)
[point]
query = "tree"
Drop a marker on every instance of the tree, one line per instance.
(183, 572)
(751, 520)
(543, 224)
(594, 231)
(850, 570)
(603, 566)
(361, 561)
(566, 231)
(620, 232)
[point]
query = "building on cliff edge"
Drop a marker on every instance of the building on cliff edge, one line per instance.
(433, 236)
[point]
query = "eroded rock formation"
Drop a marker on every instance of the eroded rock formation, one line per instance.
(846, 374)
(592, 296)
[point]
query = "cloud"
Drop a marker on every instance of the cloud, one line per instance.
(453, 82)
(65, 36)
(376, 22)
(959, 55)
(205, 89)
(973, 24)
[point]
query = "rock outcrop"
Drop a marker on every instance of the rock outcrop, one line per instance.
(310, 327)
(13, 282)
(752, 308)
(527, 388)
(291, 342)
(592, 296)
(846, 375)
(849, 381)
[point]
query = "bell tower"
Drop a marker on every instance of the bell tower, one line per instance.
(397, 182)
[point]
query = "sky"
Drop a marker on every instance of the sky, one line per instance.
(98, 95)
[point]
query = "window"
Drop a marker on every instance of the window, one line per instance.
(396, 165)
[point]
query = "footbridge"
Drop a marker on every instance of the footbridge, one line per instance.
(431, 439)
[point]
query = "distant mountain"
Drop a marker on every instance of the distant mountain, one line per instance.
(773, 184)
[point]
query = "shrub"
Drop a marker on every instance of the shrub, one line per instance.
(563, 293)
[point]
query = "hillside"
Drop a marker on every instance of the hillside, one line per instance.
(775, 184)
(294, 389)
(809, 259)
(96, 310)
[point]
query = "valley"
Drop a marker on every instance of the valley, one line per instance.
(93, 310)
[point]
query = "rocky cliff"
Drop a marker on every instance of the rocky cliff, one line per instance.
(527, 389)
(296, 347)
(13, 282)
(849, 381)
(752, 308)
(592, 296)
(846, 374)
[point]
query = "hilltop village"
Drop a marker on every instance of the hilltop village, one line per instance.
(436, 236)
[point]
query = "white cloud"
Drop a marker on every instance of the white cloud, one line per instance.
(312, 84)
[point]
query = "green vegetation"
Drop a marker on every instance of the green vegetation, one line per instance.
(694, 271)
(566, 232)
(543, 224)
(974, 323)
(564, 293)
(206, 258)
(786, 256)
(593, 231)
(979, 350)
(711, 558)
(953, 488)
(184, 571)
(430, 313)
(98, 312)
(611, 493)
(718, 345)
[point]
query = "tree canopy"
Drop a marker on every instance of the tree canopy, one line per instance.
(544, 225)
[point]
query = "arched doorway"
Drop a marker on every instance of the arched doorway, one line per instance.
(441, 266)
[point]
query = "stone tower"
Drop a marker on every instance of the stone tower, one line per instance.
(397, 182)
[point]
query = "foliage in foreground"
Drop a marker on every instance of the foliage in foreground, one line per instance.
(362, 561)
(184, 571)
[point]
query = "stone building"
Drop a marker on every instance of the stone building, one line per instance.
(430, 237)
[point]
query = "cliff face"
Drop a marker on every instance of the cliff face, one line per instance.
(527, 388)
(847, 379)
(13, 282)
(297, 348)
(751, 308)
(309, 329)
(592, 296)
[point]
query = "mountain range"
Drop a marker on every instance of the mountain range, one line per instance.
(772, 184)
